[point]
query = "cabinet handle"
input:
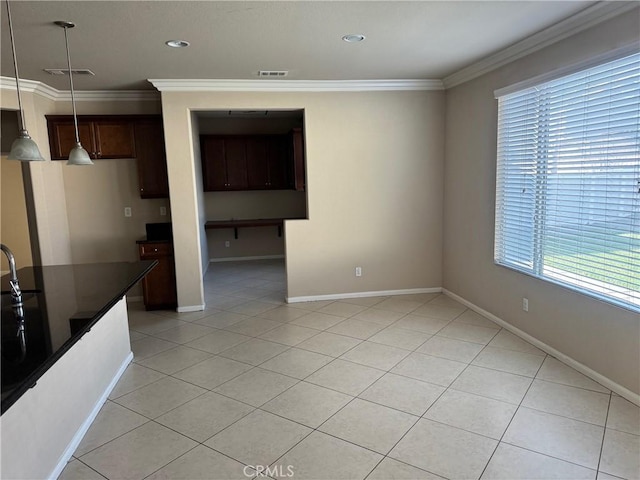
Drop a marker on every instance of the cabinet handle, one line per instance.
(155, 249)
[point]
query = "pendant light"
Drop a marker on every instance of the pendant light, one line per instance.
(23, 148)
(78, 155)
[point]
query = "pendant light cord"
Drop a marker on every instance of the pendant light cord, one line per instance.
(15, 66)
(73, 100)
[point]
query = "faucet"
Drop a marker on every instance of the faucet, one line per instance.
(16, 303)
(16, 293)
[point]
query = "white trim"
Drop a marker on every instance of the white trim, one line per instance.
(587, 18)
(240, 259)
(44, 90)
(567, 360)
(191, 308)
(213, 85)
(612, 55)
(77, 438)
(110, 96)
(380, 293)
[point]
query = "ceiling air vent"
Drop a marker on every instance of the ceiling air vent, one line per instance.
(273, 73)
(65, 71)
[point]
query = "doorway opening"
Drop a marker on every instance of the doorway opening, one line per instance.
(253, 181)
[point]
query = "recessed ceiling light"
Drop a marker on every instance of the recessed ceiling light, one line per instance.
(177, 43)
(353, 37)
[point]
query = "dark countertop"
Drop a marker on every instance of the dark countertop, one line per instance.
(61, 304)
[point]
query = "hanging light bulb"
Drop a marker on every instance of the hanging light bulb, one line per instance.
(23, 148)
(78, 155)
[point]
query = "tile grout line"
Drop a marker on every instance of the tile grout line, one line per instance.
(604, 433)
(510, 421)
(433, 403)
(340, 357)
(90, 467)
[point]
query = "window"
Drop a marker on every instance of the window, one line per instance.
(568, 181)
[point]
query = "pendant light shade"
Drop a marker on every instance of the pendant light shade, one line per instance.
(78, 155)
(23, 148)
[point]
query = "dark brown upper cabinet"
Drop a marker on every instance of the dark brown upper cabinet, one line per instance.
(266, 162)
(101, 137)
(297, 162)
(224, 163)
(139, 137)
(151, 158)
(248, 162)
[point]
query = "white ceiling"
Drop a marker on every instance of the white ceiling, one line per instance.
(123, 42)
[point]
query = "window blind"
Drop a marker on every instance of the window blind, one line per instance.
(568, 181)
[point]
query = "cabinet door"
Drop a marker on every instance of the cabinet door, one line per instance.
(151, 159)
(159, 286)
(114, 139)
(257, 162)
(236, 163)
(277, 161)
(62, 138)
(214, 171)
(297, 159)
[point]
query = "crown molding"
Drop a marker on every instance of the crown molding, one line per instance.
(582, 20)
(50, 93)
(204, 85)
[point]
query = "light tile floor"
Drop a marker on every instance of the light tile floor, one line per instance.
(404, 387)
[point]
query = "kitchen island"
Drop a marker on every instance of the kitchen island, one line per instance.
(76, 347)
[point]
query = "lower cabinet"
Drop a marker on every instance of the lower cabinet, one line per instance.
(159, 286)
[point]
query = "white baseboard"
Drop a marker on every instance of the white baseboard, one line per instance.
(239, 259)
(191, 308)
(380, 293)
(595, 376)
(77, 438)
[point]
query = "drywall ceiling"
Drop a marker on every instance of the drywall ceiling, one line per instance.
(123, 42)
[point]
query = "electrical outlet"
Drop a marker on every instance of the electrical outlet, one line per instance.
(163, 211)
(227, 244)
(358, 271)
(127, 211)
(525, 304)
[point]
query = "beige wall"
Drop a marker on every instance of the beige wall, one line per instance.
(43, 182)
(602, 337)
(374, 171)
(96, 197)
(251, 204)
(14, 230)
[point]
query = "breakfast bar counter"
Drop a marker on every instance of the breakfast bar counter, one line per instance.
(76, 346)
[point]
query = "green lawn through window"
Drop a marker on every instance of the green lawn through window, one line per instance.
(611, 257)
